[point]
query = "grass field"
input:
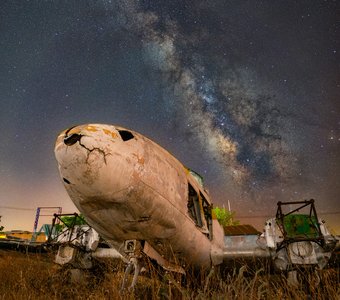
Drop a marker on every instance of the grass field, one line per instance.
(34, 276)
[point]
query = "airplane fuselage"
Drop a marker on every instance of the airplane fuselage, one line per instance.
(130, 188)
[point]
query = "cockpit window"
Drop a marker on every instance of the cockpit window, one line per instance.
(125, 135)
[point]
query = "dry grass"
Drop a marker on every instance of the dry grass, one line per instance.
(35, 276)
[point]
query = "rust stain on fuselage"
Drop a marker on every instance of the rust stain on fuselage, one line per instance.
(140, 159)
(91, 128)
(110, 133)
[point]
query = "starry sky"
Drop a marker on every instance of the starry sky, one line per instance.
(246, 93)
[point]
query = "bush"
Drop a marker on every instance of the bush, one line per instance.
(225, 217)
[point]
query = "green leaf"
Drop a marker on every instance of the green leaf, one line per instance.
(225, 217)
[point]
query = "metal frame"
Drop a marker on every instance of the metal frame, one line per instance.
(280, 215)
(56, 221)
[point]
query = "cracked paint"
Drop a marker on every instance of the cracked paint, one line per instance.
(101, 151)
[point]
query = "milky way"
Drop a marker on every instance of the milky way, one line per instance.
(244, 126)
(238, 124)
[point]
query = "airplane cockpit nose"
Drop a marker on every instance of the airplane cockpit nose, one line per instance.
(72, 139)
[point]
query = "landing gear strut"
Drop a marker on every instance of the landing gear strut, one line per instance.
(135, 264)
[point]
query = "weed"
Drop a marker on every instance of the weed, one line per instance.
(35, 276)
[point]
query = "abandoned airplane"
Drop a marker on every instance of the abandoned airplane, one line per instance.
(144, 203)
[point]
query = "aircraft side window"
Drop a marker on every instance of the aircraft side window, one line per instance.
(207, 214)
(194, 207)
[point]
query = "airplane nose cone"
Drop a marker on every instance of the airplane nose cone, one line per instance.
(97, 163)
(72, 139)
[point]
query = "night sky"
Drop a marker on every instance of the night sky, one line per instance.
(246, 93)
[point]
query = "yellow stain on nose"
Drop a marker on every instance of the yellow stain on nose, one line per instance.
(108, 132)
(91, 128)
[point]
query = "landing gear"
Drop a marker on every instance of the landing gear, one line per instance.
(136, 264)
